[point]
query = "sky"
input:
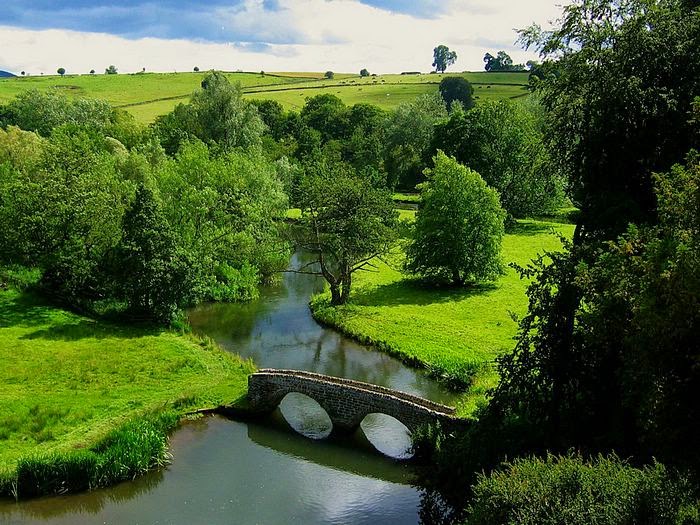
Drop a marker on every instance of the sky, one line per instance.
(384, 36)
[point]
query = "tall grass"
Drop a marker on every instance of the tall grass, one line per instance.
(127, 452)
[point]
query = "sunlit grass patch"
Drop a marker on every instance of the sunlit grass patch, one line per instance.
(455, 333)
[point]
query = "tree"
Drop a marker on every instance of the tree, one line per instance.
(459, 226)
(92, 71)
(111, 70)
(364, 73)
(22, 73)
(443, 58)
(504, 142)
(329, 75)
(602, 356)
(345, 223)
(457, 89)
(42, 111)
(608, 54)
(153, 276)
(61, 71)
(327, 114)
(196, 69)
(409, 132)
(216, 114)
(501, 62)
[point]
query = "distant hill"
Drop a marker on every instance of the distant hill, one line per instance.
(149, 95)
(6, 74)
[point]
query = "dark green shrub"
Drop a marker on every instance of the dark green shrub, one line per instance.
(569, 490)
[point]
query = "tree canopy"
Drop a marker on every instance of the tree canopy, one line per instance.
(457, 89)
(345, 223)
(443, 58)
(459, 226)
(501, 62)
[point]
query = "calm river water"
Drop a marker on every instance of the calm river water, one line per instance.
(263, 472)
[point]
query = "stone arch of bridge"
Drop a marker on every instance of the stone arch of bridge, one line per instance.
(306, 415)
(346, 420)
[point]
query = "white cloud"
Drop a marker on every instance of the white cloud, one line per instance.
(341, 35)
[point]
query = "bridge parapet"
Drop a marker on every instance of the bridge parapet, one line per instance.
(347, 402)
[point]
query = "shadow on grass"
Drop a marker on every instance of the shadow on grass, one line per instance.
(24, 310)
(89, 328)
(417, 292)
(529, 228)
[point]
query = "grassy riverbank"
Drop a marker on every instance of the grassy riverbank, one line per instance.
(454, 333)
(81, 395)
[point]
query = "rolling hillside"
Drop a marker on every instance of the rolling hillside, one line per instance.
(148, 95)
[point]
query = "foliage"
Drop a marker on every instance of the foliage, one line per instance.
(501, 62)
(153, 277)
(409, 132)
(504, 142)
(443, 58)
(41, 112)
(346, 224)
(364, 72)
(61, 71)
(626, 378)
(457, 89)
(568, 489)
(329, 75)
(459, 226)
(619, 102)
(111, 70)
(216, 114)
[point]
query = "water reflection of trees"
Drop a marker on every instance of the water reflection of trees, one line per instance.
(88, 503)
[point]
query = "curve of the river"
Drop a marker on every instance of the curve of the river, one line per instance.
(226, 471)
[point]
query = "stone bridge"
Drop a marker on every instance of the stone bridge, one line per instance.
(347, 402)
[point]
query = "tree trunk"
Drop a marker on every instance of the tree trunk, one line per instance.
(336, 298)
(347, 283)
(457, 278)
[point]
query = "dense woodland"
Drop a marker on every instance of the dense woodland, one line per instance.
(114, 218)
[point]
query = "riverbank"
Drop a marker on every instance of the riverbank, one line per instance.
(454, 333)
(75, 388)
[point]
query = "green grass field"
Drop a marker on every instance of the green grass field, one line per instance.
(151, 94)
(455, 333)
(67, 380)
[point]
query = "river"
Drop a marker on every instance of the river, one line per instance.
(230, 472)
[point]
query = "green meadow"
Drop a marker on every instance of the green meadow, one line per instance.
(69, 382)
(148, 95)
(454, 333)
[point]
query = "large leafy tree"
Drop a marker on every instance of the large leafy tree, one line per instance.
(501, 62)
(603, 350)
(345, 223)
(457, 89)
(443, 58)
(409, 132)
(504, 142)
(153, 274)
(216, 114)
(619, 105)
(459, 226)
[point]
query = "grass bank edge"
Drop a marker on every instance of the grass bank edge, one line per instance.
(131, 443)
(472, 380)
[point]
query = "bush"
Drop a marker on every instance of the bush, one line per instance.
(569, 490)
